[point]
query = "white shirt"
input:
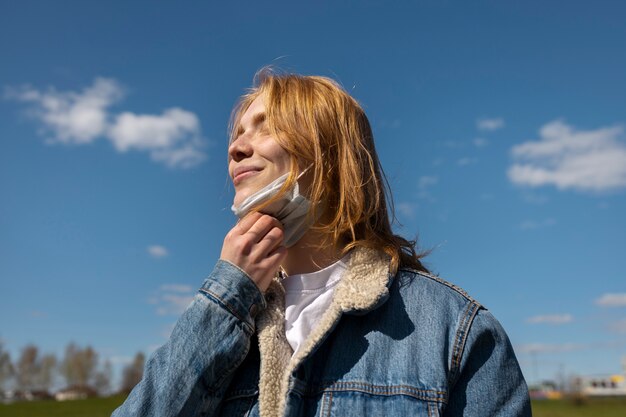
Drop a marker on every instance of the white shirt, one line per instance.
(307, 296)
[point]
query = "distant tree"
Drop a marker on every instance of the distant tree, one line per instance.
(79, 365)
(27, 368)
(87, 363)
(45, 372)
(133, 373)
(68, 367)
(6, 367)
(103, 378)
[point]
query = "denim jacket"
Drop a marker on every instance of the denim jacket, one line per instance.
(409, 344)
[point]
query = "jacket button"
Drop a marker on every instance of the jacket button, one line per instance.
(254, 309)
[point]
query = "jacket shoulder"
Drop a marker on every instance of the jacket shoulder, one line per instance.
(435, 286)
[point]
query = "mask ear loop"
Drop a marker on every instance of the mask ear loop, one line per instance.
(282, 274)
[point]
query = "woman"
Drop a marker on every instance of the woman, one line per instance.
(315, 307)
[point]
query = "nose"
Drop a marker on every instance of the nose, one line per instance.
(240, 148)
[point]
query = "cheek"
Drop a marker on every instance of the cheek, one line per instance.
(282, 161)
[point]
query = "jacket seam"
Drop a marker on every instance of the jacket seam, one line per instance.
(442, 281)
(229, 307)
(460, 338)
(439, 396)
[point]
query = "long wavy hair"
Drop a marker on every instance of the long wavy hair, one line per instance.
(320, 125)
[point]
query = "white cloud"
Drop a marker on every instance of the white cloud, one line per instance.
(612, 300)
(587, 160)
(72, 117)
(555, 319)
(490, 124)
(186, 156)
(148, 131)
(172, 299)
(173, 137)
(407, 209)
(480, 142)
(157, 251)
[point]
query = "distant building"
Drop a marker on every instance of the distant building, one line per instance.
(602, 385)
(75, 393)
(545, 391)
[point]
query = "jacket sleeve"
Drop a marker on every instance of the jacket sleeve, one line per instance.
(189, 374)
(489, 380)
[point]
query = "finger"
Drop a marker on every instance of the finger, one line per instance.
(262, 227)
(275, 257)
(247, 222)
(270, 241)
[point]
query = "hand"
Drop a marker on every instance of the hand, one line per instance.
(255, 245)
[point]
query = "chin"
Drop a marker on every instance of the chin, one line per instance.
(240, 196)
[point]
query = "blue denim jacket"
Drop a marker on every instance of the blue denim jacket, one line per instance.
(409, 344)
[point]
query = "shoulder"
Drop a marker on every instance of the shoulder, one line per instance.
(432, 290)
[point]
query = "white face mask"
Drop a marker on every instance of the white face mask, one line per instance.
(291, 209)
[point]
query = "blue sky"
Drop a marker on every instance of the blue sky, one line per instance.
(500, 126)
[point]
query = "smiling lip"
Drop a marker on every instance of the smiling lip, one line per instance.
(242, 173)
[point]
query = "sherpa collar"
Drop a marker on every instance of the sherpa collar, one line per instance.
(363, 287)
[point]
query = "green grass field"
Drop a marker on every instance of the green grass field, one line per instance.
(103, 407)
(95, 407)
(598, 407)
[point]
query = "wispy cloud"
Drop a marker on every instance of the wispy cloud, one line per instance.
(424, 185)
(172, 299)
(157, 251)
(407, 209)
(426, 181)
(612, 300)
(490, 125)
(587, 160)
(549, 347)
(480, 142)
(465, 161)
(555, 319)
(68, 117)
(534, 224)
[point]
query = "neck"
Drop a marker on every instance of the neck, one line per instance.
(305, 256)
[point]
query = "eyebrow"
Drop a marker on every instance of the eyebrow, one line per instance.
(257, 120)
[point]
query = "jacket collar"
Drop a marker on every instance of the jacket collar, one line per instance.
(364, 287)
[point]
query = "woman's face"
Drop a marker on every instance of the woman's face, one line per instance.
(255, 157)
